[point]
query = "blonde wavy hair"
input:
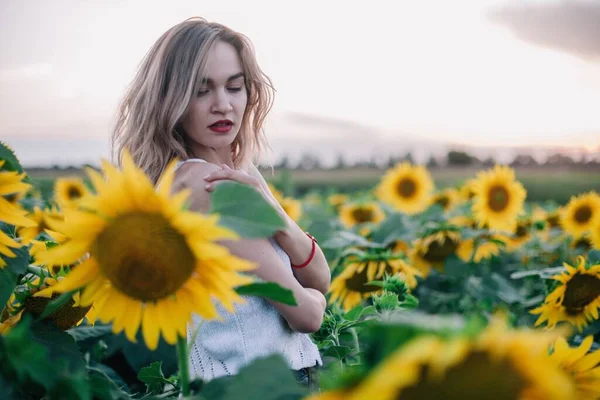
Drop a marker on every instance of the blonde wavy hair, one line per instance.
(149, 116)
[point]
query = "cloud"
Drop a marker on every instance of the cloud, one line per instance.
(572, 26)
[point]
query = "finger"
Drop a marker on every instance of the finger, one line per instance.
(219, 174)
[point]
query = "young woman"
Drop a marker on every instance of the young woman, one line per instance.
(200, 96)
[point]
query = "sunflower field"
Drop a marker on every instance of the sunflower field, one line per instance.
(468, 292)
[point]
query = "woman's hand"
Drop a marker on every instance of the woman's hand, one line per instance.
(227, 173)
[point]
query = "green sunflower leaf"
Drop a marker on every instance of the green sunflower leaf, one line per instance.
(593, 257)
(269, 290)
(153, 377)
(344, 239)
(11, 162)
(84, 332)
(244, 210)
(265, 378)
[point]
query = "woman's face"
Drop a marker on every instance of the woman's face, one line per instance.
(215, 114)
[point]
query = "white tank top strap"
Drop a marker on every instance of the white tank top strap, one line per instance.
(197, 160)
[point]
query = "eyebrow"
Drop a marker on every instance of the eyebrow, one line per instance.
(231, 78)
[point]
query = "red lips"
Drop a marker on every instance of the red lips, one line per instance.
(222, 122)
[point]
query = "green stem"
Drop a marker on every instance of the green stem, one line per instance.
(184, 370)
(36, 271)
(355, 339)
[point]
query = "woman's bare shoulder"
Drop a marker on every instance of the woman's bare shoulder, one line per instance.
(191, 176)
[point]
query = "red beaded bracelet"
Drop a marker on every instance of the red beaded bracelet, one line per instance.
(312, 252)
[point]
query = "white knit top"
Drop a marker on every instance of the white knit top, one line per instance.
(254, 330)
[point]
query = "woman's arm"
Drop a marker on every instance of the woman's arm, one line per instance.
(297, 245)
(307, 316)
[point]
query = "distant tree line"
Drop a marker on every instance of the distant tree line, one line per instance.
(453, 158)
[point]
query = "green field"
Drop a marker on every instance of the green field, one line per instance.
(542, 183)
(557, 184)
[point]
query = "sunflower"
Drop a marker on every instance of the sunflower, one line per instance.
(487, 247)
(150, 262)
(447, 198)
(11, 183)
(292, 207)
(499, 364)
(337, 200)
(407, 188)
(399, 246)
(582, 243)
(10, 323)
(595, 233)
(553, 219)
(350, 287)
(69, 191)
(432, 250)
(580, 366)
(579, 214)
(40, 218)
(276, 193)
(464, 221)
(498, 198)
(538, 214)
(575, 300)
(466, 190)
(355, 214)
(521, 235)
(66, 316)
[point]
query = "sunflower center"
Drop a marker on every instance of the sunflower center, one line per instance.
(361, 215)
(498, 198)
(65, 317)
(476, 377)
(406, 187)
(143, 256)
(522, 230)
(357, 282)
(583, 214)
(438, 252)
(581, 290)
(442, 201)
(12, 198)
(553, 221)
(74, 193)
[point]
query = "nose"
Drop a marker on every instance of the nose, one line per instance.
(221, 103)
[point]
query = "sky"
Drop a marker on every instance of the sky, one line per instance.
(483, 73)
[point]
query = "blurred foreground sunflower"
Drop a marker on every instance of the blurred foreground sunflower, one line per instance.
(577, 217)
(361, 213)
(276, 193)
(498, 198)
(350, 287)
(151, 263)
(575, 300)
(407, 188)
(292, 207)
(500, 364)
(69, 191)
(11, 184)
(583, 368)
